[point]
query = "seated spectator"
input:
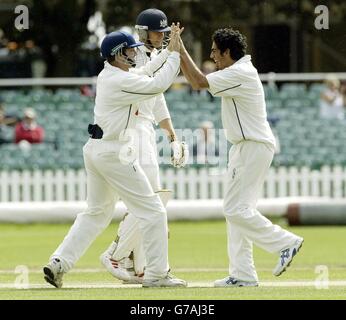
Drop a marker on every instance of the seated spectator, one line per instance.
(208, 66)
(8, 119)
(273, 120)
(5, 131)
(28, 129)
(332, 100)
(205, 149)
(88, 91)
(343, 91)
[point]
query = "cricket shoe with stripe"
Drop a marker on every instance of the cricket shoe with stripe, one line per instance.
(233, 282)
(168, 281)
(53, 273)
(134, 279)
(114, 267)
(286, 257)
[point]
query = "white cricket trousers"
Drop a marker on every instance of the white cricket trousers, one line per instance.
(130, 238)
(249, 162)
(107, 181)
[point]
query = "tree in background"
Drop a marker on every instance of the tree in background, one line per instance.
(59, 28)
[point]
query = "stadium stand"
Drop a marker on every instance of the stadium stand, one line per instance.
(305, 138)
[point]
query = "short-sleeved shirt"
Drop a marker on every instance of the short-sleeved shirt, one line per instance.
(243, 112)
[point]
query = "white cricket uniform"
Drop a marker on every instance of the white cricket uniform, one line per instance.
(118, 94)
(151, 111)
(245, 122)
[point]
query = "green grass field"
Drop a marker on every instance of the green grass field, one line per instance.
(197, 254)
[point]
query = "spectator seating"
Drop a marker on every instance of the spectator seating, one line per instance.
(305, 139)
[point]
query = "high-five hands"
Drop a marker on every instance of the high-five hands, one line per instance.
(174, 43)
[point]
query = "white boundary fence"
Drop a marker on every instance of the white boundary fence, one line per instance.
(265, 77)
(70, 185)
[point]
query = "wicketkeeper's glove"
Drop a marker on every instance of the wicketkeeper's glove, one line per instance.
(180, 154)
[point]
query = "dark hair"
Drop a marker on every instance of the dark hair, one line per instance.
(110, 59)
(227, 38)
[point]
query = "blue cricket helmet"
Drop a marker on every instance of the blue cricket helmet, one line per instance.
(115, 41)
(152, 20)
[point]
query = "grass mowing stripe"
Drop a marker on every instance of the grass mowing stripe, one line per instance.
(340, 283)
(198, 254)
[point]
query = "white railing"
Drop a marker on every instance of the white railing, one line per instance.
(193, 183)
(266, 77)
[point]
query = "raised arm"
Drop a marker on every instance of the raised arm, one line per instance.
(151, 67)
(191, 72)
(138, 88)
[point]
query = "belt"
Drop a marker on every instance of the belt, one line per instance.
(95, 131)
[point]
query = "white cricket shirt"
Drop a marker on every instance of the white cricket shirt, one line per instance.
(243, 108)
(154, 109)
(119, 93)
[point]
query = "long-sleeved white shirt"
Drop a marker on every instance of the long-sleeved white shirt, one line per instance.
(119, 93)
(154, 109)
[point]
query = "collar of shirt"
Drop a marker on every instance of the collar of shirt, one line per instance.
(246, 58)
(147, 51)
(108, 66)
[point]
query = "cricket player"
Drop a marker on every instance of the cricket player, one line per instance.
(112, 168)
(244, 119)
(124, 258)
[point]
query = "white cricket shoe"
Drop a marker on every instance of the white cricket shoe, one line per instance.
(134, 277)
(114, 267)
(53, 273)
(233, 282)
(286, 257)
(168, 281)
